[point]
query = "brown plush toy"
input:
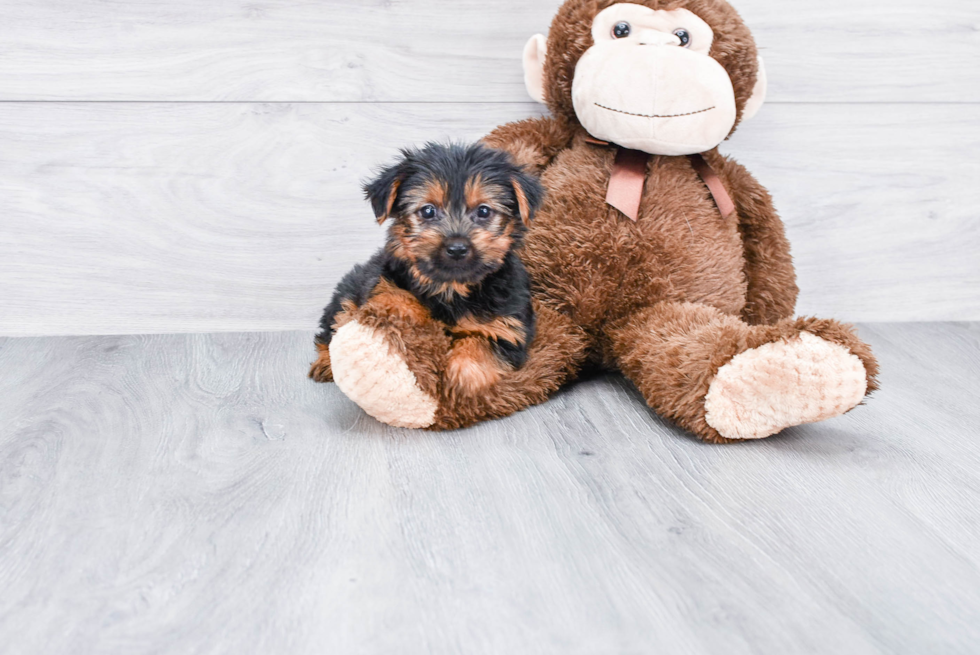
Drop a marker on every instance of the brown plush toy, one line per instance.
(652, 254)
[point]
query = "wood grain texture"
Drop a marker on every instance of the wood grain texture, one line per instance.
(196, 494)
(133, 218)
(445, 50)
(880, 203)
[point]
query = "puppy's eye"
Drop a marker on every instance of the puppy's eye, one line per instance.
(621, 30)
(483, 212)
(428, 212)
(684, 36)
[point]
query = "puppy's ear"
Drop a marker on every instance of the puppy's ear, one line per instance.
(529, 194)
(383, 190)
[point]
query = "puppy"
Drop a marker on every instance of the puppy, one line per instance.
(459, 214)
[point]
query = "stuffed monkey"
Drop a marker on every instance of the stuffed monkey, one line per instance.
(652, 253)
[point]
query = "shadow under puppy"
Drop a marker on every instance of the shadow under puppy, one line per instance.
(459, 213)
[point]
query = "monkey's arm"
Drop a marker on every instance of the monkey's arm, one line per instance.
(772, 289)
(533, 142)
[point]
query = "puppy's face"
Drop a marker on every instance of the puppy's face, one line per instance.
(457, 211)
(456, 230)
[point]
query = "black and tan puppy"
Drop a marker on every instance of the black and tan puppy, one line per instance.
(459, 213)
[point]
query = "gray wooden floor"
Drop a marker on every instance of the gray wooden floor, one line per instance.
(196, 494)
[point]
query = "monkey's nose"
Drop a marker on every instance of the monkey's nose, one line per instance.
(656, 37)
(457, 248)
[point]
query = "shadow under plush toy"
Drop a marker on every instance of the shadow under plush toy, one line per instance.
(652, 253)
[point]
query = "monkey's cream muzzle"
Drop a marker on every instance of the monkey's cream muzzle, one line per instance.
(650, 94)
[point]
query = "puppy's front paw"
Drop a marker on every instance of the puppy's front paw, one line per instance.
(376, 377)
(781, 384)
(320, 370)
(473, 367)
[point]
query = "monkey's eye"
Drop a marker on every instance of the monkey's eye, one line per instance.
(621, 30)
(684, 36)
(428, 212)
(483, 212)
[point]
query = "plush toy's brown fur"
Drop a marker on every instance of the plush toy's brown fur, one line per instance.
(668, 299)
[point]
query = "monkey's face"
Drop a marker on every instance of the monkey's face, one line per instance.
(648, 82)
(645, 78)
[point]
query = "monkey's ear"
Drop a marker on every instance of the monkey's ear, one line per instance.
(535, 52)
(758, 93)
(529, 194)
(383, 190)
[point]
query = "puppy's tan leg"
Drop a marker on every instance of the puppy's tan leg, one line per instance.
(558, 350)
(473, 367)
(320, 370)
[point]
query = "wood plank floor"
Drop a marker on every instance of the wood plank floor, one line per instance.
(196, 494)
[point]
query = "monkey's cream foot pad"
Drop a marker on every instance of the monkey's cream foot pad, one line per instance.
(778, 385)
(374, 376)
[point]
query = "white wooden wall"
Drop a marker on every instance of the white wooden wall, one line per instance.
(183, 166)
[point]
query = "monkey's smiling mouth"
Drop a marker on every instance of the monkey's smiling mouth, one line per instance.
(629, 113)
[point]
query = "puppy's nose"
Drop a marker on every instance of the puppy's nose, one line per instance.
(457, 248)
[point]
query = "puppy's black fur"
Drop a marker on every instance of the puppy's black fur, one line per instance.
(459, 213)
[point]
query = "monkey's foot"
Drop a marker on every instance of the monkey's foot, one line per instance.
(372, 374)
(781, 384)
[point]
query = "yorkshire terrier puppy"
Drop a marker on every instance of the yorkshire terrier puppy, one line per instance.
(459, 214)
